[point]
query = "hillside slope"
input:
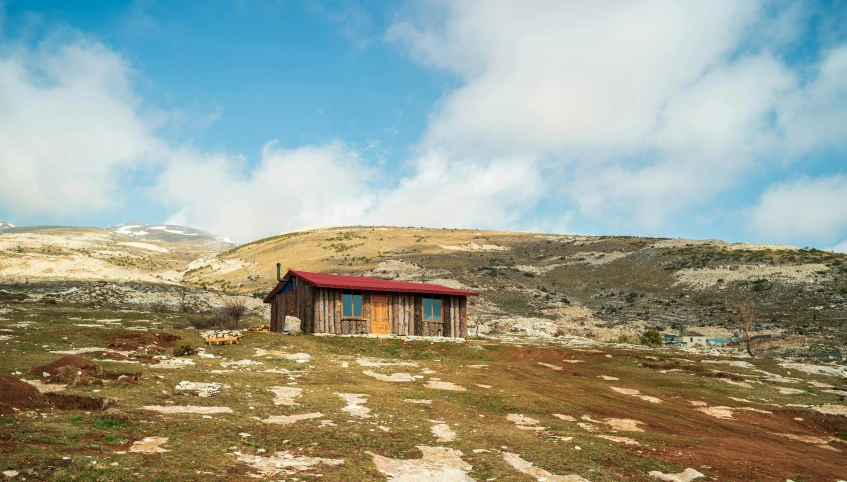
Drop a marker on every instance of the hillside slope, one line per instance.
(548, 285)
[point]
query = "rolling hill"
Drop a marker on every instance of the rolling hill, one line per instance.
(530, 284)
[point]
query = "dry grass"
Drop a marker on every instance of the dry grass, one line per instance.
(675, 434)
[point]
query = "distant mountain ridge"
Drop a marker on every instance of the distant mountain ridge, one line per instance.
(5, 225)
(171, 233)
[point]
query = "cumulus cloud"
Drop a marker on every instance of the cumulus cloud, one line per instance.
(624, 114)
(805, 208)
(69, 127)
(643, 109)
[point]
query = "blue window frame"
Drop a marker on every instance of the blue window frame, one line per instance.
(352, 303)
(432, 309)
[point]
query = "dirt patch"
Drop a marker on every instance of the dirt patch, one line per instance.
(187, 409)
(73, 370)
(47, 387)
(17, 394)
(354, 407)
(142, 341)
(284, 463)
(437, 464)
(289, 419)
(149, 445)
(526, 467)
(286, 395)
(394, 377)
(686, 475)
(79, 402)
(418, 401)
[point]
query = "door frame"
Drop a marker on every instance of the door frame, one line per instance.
(373, 313)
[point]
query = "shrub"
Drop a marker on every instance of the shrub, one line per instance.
(185, 348)
(235, 309)
(628, 339)
(159, 307)
(652, 338)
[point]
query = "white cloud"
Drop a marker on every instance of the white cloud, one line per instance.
(643, 109)
(288, 189)
(803, 209)
(69, 127)
(627, 113)
(816, 115)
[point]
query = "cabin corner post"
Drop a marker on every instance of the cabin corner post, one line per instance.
(419, 315)
(463, 317)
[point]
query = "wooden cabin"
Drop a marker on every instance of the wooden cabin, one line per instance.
(330, 303)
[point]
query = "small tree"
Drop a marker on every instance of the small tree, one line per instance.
(746, 319)
(652, 338)
(183, 305)
(235, 309)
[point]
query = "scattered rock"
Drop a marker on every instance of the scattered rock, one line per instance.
(394, 377)
(187, 409)
(818, 441)
(286, 395)
(375, 363)
(439, 385)
(201, 389)
(149, 445)
(623, 440)
(438, 464)
(354, 407)
(284, 463)
(522, 422)
(636, 393)
(686, 475)
(289, 419)
(526, 467)
(443, 433)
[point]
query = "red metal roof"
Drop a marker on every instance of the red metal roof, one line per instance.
(337, 281)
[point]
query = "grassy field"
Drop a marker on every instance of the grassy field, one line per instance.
(500, 383)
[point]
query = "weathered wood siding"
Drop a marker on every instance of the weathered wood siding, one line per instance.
(320, 311)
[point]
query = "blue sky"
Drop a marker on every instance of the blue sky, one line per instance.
(694, 119)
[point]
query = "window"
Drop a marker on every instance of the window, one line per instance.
(352, 301)
(432, 309)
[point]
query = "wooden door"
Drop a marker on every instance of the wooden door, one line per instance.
(379, 314)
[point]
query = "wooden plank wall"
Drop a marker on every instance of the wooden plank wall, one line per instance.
(401, 313)
(320, 311)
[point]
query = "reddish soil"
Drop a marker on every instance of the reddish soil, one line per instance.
(742, 448)
(79, 402)
(135, 340)
(17, 394)
(74, 370)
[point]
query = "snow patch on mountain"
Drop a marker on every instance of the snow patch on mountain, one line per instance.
(171, 233)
